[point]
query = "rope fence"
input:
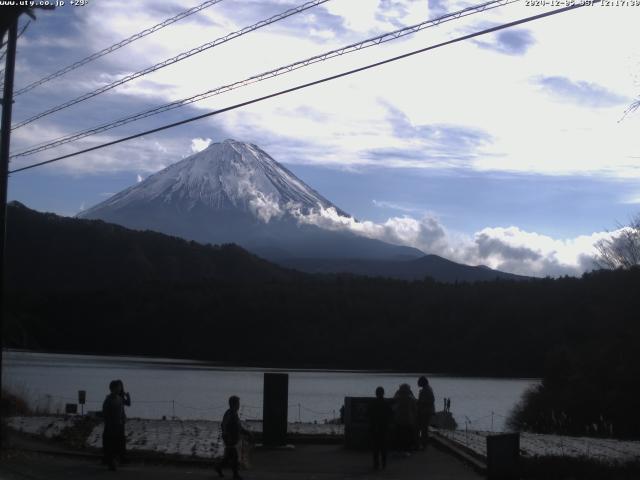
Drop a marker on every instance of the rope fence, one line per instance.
(298, 412)
(55, 404)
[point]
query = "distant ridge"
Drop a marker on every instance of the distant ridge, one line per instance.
(432, 266)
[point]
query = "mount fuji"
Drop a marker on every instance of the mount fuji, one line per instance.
(234, 192)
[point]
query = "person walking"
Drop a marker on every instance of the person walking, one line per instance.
(426, 409)
(405, 416)
(379, 419)
(113, 433)
(231, 430)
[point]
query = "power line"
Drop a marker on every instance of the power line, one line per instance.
(117, 46)
(310, 84)
(265, 75)
(172, 60)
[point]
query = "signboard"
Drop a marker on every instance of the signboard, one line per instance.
(71, 408)
(82, 397)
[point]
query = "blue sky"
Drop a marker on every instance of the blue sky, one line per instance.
(507, 150)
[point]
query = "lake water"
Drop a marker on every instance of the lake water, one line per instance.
(198, 390)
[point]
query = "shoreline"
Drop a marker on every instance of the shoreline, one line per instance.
(212, 365)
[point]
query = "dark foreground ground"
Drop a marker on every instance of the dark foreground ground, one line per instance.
(317, 462)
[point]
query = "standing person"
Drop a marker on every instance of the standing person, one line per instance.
(379, 420)
(231, 431)
(113, 414)
(126, 402)
(426, 409)
(406, 418)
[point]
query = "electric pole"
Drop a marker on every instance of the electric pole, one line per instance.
(9, 25)
(5, 139)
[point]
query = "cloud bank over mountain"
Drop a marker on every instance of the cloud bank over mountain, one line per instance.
(509, 249)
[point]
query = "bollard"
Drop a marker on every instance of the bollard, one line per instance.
(503, 456)
(275, 408)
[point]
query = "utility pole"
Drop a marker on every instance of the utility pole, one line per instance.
(5, 139)
(8, 24)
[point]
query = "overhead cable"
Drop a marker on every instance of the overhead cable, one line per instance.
(116, 46)
(264, 76)
(172, 60)
(310, 84)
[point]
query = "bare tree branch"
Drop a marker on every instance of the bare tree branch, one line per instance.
(623, 250)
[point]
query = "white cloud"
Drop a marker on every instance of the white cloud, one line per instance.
(199, 144)
(509, 249)
(358, 16)
(139, 178)
(457, 85)
(633, 199)
(515, 250)
(265, 207)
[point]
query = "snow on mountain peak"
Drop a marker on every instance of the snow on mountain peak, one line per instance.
(228, 174)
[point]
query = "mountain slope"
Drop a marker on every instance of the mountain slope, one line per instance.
(234, 192)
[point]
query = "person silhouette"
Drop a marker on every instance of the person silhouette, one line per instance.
(379, 419)
(426, 408)
(113, 433)
(126, 402)
(405, 417)
(231, 430)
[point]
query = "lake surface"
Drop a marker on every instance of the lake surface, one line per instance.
(198, 390)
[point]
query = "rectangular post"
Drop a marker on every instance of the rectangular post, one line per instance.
(275, 407)
(503, 456)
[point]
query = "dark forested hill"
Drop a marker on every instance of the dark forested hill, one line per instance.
(46, 251)
(78, 285)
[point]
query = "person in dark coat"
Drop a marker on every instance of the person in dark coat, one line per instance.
(126, 402)
(426, 409)
(113, 434)
(405, 418)
(379, 419)
(231, 430)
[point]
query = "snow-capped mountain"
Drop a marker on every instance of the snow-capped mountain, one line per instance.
(234, 192)
(225, 175)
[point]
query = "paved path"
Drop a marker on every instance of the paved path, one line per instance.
(308, 462)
